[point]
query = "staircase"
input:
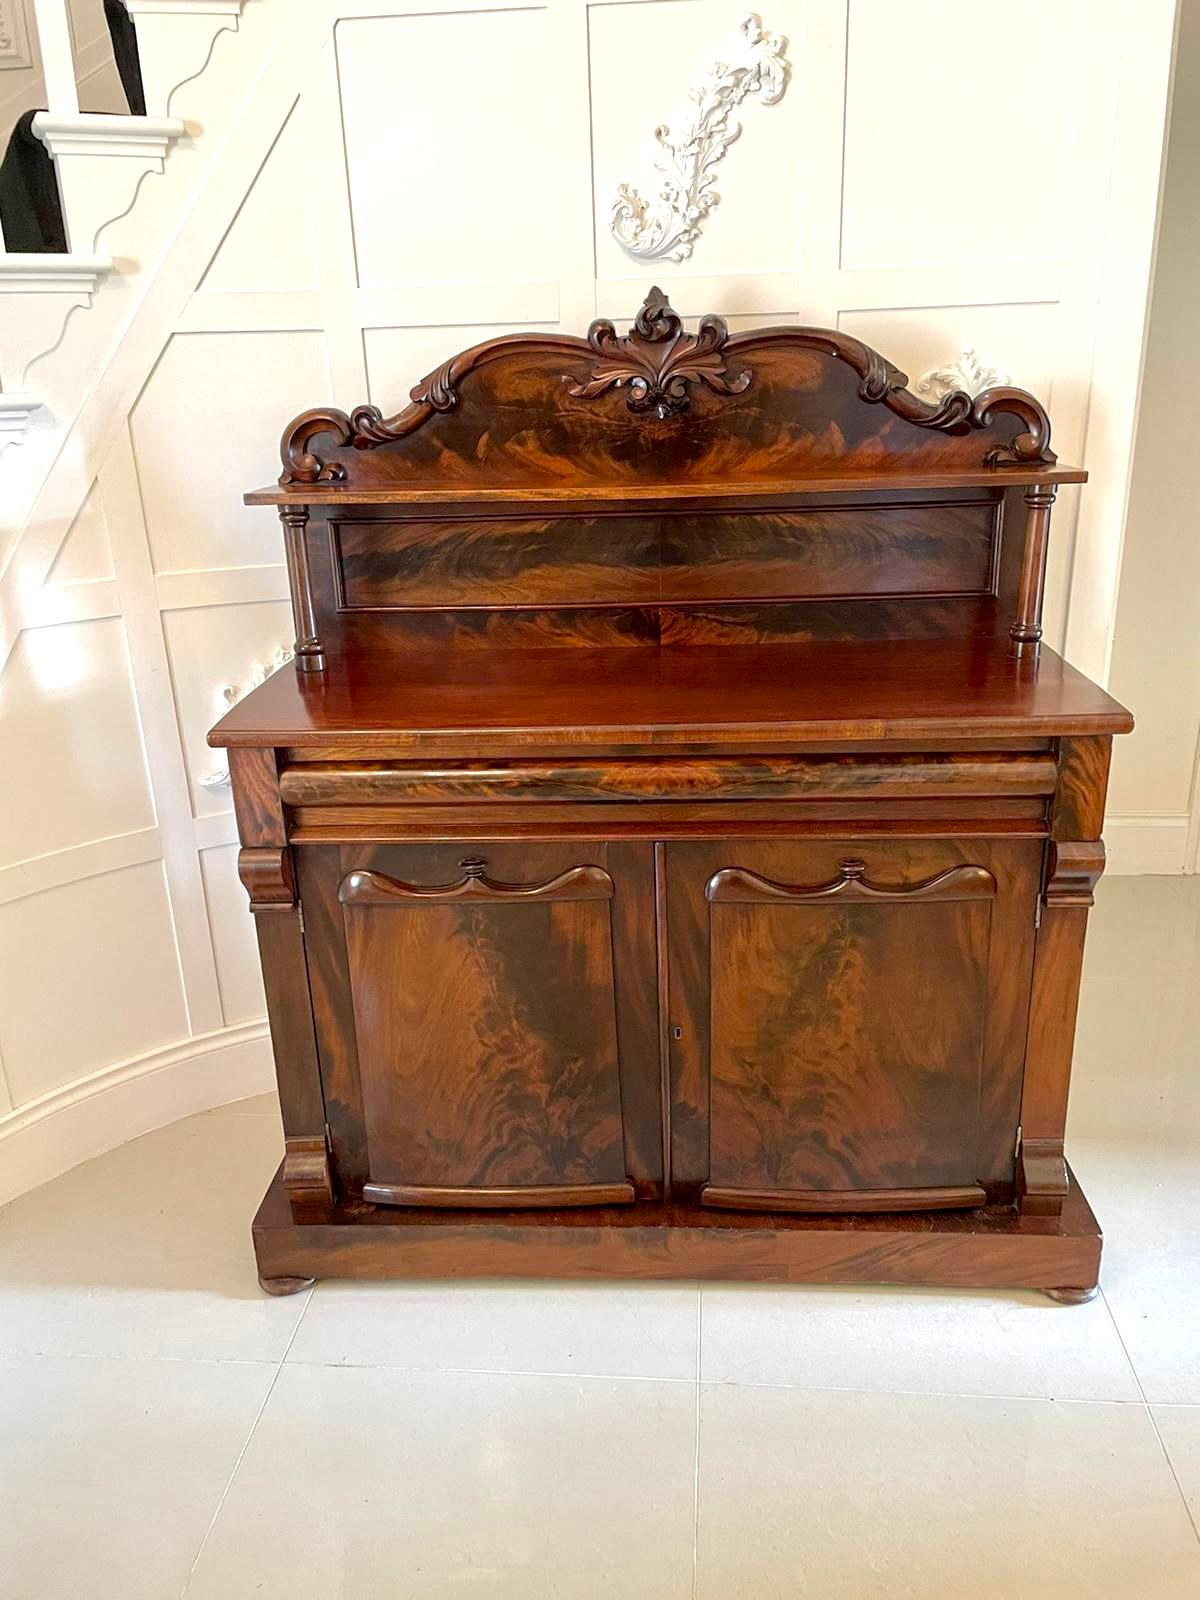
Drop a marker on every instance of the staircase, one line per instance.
(125, 184)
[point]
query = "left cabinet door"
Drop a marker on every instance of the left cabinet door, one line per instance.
(486, 1021)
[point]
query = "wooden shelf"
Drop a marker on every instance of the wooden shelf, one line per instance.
(526, 495)
(477, 702)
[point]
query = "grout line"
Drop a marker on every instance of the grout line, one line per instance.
(1153, 1419)
(242, 1452)
(107, 1355)
(919, 1394)
(696, 1458)
(573, 1374)
(491, 1372)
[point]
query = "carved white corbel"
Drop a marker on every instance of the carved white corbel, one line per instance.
(50, 287)
(228, 697)
(15, 412)
(100, 159)
(668, 225)
(176, 39)
(967, 373)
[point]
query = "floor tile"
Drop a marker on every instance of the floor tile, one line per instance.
(1146, 1196)
(364, 1483)
(619, 1330)
(876, 1497)
(257, 1105)
(146, 1251)
(924, 1340)
(110, 1471)
(1179, 1428)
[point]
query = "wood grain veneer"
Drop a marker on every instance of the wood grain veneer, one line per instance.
(672, 851)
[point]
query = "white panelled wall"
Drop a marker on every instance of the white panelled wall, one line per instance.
(404, 181)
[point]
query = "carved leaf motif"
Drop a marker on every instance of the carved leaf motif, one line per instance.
(657, 361)
(967, 374)
(669, 225)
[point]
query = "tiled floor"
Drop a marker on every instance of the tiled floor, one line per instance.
(165, 1429)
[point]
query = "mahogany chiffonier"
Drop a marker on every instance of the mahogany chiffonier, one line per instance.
(671, 851)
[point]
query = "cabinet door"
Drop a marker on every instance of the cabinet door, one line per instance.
(483, 998)
(848, 1021)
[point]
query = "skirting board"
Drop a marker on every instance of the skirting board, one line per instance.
(41, 1141)
(1151, 845)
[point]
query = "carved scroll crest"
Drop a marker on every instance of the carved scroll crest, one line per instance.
(668, 225)
(657, 362)
(658, 366)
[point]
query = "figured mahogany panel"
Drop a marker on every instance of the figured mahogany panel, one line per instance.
(847, 1032)
(324, 867)
(664, 405)
(1078, 809)
(923, 547)
(487, 1042)
(848, 1020)
(500, 561)
(746, 778)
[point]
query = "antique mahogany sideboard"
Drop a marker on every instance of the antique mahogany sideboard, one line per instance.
(671, 853)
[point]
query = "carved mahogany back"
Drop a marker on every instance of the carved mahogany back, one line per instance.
(664, 487)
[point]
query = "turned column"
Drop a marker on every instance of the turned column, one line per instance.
(310, 652)
(1026, 630)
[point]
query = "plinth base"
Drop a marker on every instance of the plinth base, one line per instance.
(993, 1247)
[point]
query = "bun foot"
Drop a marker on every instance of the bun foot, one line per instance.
(1072, 1297)
(285, 1285)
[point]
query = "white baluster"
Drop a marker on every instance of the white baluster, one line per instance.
(58, 56)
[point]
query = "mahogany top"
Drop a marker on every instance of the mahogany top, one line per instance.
(480, 702)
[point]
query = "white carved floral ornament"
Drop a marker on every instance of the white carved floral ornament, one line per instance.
(232, 693)
(967, 373)
(668, 225)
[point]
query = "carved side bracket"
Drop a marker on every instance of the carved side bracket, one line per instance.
(376, 888)
(736, 886)
(1042, 1182)
(306, 1174)
(268, 877)
(1073, 870)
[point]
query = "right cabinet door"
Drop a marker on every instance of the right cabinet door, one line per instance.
(847, 1027)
